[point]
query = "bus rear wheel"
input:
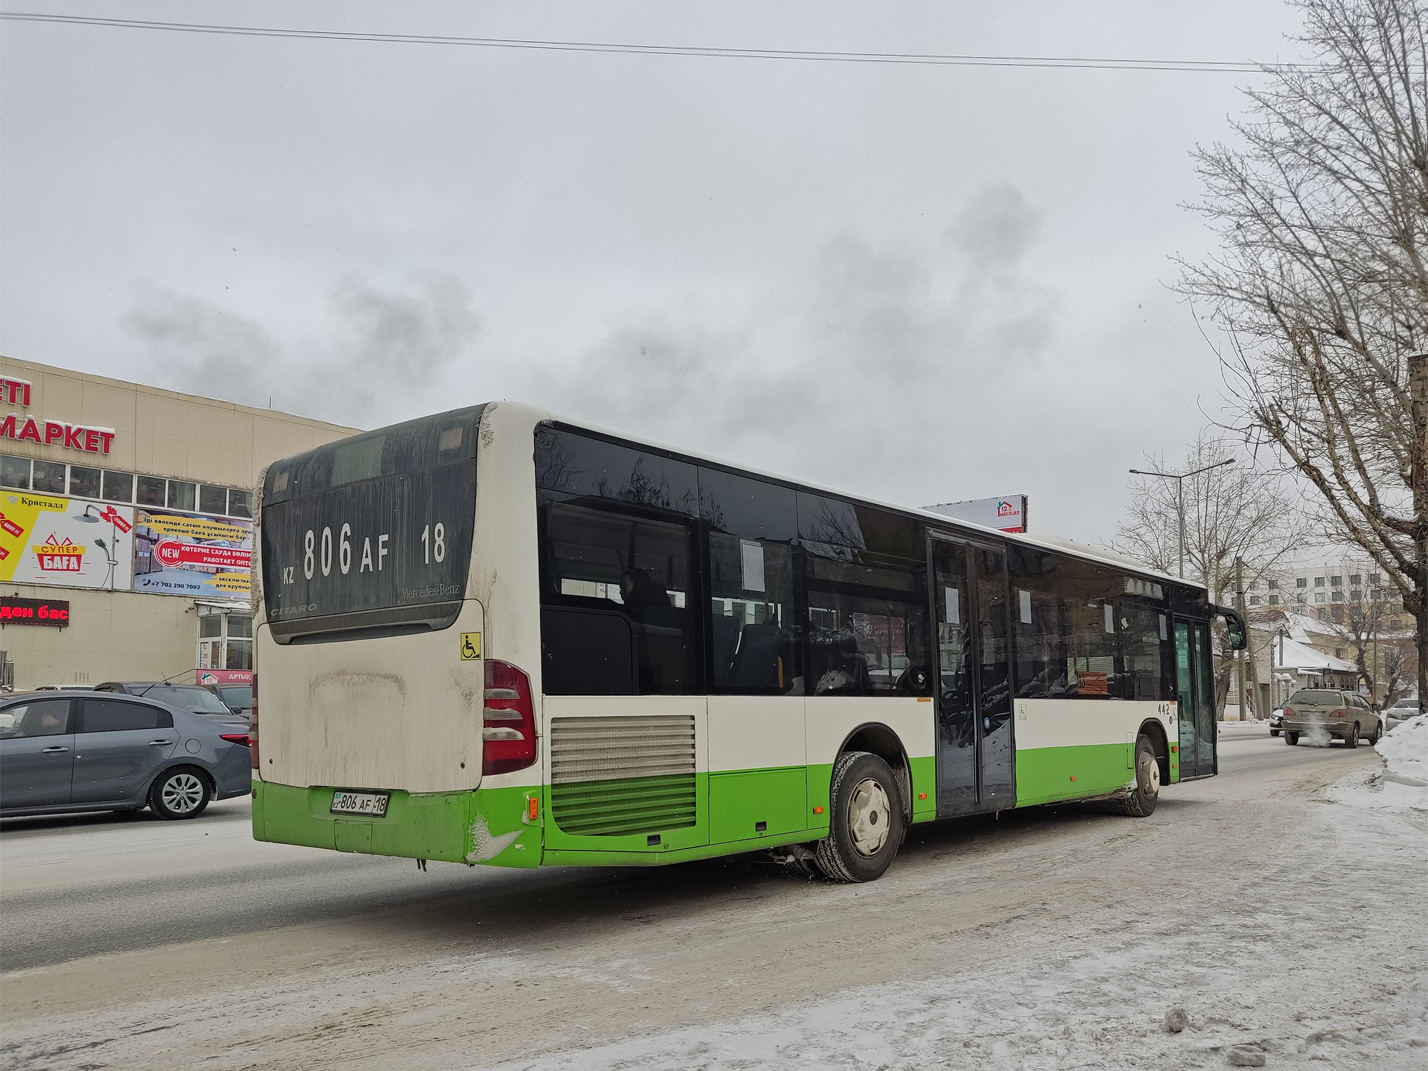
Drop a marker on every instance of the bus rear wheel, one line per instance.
(1146, 793)
(866, 819)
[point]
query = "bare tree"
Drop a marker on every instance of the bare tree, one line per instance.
(1381, 649)
(1230, 512)
(1322, 281)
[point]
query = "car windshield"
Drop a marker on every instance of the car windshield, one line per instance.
(1314, 698)
(236, 695)
(188, 697)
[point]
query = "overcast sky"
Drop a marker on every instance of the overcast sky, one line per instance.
(922, 283)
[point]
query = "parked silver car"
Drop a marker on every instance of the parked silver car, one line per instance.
(1342, 715)
(1401, 711)
(107, 751)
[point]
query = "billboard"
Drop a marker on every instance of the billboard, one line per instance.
(1007, 513)
(185, 554)
(66, 542)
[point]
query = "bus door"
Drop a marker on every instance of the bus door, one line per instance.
(975, 762)
(1195, 691)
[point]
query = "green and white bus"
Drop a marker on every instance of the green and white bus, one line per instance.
(494, 636)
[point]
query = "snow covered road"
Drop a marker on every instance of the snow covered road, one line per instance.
(1055, 938)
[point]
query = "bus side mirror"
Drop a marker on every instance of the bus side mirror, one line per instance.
(1235, 626)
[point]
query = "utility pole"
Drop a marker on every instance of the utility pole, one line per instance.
(1249, 655)
(1418, 477)
(1239, 655)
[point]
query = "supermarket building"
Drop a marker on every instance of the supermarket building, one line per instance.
(126, 529)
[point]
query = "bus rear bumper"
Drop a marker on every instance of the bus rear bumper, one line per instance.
(475, 826)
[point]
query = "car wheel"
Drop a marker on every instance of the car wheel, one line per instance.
(1351, 738)
(1377, 732)
(1291, 738)
(1274, 732)
(866, 824)
(182, 792)
(1143, 798)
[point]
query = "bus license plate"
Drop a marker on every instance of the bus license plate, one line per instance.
(373, 803)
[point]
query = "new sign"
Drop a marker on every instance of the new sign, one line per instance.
(184, 554)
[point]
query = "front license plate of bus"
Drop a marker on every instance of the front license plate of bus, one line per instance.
(373, 803)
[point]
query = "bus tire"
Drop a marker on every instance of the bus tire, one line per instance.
(1146, 794)
(182, 792)
(866, 822)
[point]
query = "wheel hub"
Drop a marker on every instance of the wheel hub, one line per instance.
(1149, 775)
(182, 793)
(868, 817)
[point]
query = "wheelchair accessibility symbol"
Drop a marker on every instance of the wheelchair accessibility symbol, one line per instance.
(470, 646)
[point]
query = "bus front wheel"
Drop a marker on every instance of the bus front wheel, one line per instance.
(1146, 793)
(866, 820)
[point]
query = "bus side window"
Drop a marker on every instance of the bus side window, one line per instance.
(867, 623)
(753, 615)
(616, 601)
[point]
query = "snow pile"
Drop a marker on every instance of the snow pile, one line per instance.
(1402, 784)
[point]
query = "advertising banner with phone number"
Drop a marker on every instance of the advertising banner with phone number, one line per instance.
(181, 554)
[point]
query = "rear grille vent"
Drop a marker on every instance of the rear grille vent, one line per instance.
(612, 776)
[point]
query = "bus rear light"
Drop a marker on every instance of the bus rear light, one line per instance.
(508, 736)
(253, 725)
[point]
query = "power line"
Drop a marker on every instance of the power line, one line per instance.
(907, 58)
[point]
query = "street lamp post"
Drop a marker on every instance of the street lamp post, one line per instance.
(1180, 496)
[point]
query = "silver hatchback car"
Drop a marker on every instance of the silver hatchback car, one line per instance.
(95, 751)
(1339, 715)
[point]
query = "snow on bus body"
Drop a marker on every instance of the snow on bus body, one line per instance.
(404, 717)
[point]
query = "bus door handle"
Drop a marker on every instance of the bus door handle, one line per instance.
(52, 750)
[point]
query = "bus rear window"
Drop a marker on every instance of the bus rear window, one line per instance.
(360, 460)
(372, 532)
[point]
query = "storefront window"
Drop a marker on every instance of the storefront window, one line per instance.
(151, 491)
(240, 503)
(240, 654)
(212, 499)
(49, 477)
(15, 472)
(225, 641)
(181, 495)
(83, 483)
(118, 486)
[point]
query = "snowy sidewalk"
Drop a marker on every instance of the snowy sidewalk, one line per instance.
(1317, 959)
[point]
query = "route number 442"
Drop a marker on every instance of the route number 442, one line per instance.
(433, 543)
